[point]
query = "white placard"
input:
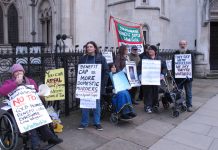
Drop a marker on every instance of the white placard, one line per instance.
(150, 72)
(132, 74)
(88, 81)
(28, 110)
(169, 64)
(183, 66)
(88, 103)
(108, 56)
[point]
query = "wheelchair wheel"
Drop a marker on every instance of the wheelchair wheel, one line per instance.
(8, 132)
(114, 118)
(175, 113)
(183, 108)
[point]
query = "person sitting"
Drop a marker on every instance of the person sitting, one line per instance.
(121, 99)
(8, 86)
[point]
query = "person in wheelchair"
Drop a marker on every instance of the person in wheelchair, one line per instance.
(121, 99)
(8, 86)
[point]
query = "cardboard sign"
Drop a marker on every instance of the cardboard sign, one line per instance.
(120, 81)
(88, 81)
(150, 72)
(88, 103)
(169, 64)
(108, 56)
(183, 66)
(56, 82)
(28, 110)
(132, 74)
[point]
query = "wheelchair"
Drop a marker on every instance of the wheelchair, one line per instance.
(108, 107)
(11, 138)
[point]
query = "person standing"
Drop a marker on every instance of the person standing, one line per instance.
(184, 82)
(93, 56)
(150, 92)
(133, 56)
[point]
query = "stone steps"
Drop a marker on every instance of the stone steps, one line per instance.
(212, 75)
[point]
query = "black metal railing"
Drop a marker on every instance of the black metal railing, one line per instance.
(37, 59)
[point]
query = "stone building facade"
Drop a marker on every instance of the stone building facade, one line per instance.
(164, 21)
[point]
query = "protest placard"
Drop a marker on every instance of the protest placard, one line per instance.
(120, 81)
(169, 64)
(132, 74)
(28, 110)
(88, 103)
(183, 66)
(108, 56)
(56, 82)
(150, 72)
(88, 81)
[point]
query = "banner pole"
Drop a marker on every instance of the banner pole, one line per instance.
(126, 20)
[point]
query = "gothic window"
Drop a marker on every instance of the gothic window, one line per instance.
(45, 13)
(145, 30)
(12, 24)
(1, 26)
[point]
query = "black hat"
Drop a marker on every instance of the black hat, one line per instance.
(152, 47)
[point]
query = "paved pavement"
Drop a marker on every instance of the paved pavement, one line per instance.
(196, 130)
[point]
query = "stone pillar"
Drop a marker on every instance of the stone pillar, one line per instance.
(66, 22)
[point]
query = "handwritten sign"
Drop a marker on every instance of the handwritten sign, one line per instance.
(132, 74)
(169, 64)
(151, 72)
(88, 81)
(183, 66)
(28, 110)
(120, 81)
(88, 103)
(55, 80)
(108, 56)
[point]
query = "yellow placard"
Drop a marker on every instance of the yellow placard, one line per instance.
(55, 80)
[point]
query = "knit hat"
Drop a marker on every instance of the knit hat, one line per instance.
(17, 67)
(152, 47)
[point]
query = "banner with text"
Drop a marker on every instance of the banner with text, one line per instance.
(129, 35)
(150, 72)
(120, 81)
(88, 81)
(56, 82)
(183, 66)
(132, 74)
(28, 109)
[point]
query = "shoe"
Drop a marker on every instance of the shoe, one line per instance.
(125, 116)
(98, 127)
(81, 127)
(190, 109)
(148, 110)
(135, 103)
(132, 114)
(55, 140)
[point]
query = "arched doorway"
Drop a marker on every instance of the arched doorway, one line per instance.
(213, 35)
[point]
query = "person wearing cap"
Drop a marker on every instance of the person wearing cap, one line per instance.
(133, 56)
(8, 86)
(150, 92)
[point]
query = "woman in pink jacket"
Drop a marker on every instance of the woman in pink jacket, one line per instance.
(8, 86)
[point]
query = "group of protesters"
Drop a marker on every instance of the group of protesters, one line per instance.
(147, 93)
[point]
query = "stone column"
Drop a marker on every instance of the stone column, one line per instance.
(66, 22)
